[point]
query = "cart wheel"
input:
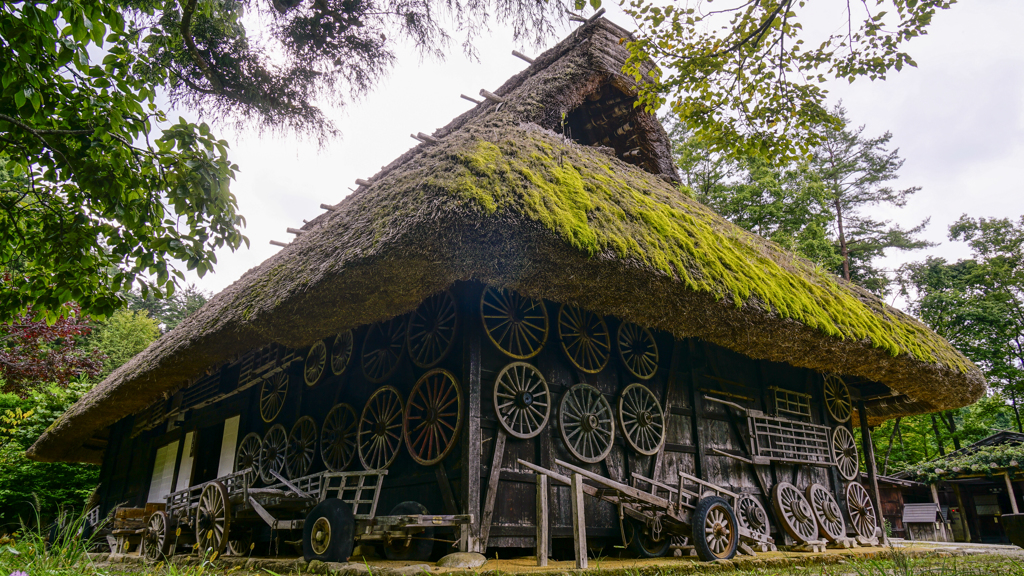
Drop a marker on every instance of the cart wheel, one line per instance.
(715, 531)
(157, 537)
(213, 519)
(241, 543)
(328, 534)
(641, 542)
(420, 546)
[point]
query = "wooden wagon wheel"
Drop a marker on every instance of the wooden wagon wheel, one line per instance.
(272, 453)
(837, 398)
(213, 519)
(241, 542)
(316, 360)
(586, 423)
(517, 325)
(382, 349)
(750, 514)
(522, 400)
(861, 510)
(641, 419)
(844, 450)
(716, 531)
(795, 513)
(585, 338)
(248, 456)
(338, 437)
(298, 457)
(433, 417)
(157, 538)
(379, 435)
(273, 391)
(341, 352)
(638, 350)
(826, 512)
(432, 329)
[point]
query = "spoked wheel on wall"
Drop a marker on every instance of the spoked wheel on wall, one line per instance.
(433, 417)
(715, 530)
(826, 512)
(432, 329)
(272, 453)
(837, 398)
(382, 349)
(341, 352)
(522, 400)
(517, 325)
(844, 450)
(379, 435)
(248, 456)
(156, 541)
(316, 361)
(338, 437)
(750, 514)
(301, 450)
(638, 350)
(273, 392)
(641, 419)
(861, 510)
(795, 512)
(585, 338)
(213, 519)
(586, 423)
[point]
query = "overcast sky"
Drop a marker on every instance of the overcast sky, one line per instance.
(958, 120)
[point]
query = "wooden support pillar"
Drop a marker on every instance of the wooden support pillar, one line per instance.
(542, 520)
(962, 512)
(697, 404)
(492, 486)
(869, 461)
(1009, 490)
(472, 438)
(935, 498)
(579, 521)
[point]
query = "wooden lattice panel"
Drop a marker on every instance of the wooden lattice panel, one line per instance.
(150, 418)
(792, 403)
(202, 392)
(788, 441)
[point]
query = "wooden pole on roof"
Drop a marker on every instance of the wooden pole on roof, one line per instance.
(276, 243)
(491, 96)
(869, 461)
(522, 56)
(327, 207)
(470, 98)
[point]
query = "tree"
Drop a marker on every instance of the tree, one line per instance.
(32, 351)
(122, 336)
(169, 312)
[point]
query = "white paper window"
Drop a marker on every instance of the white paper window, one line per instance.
(185, 470)
(163, 472)
(227, 447)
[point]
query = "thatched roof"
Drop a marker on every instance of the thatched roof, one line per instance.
(504, 200)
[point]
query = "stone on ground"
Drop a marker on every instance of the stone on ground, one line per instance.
(462, 560)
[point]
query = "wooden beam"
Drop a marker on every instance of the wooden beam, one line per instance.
(362, 182)
(295, 231)
(696, 403)
(1012, 494)
(491, 96)
(471, 99)
(450, 506)
(327, 207)
(962, 512)
(522, 56)
(492, 486)
(542, 520)
(869, 461)
(579, 522)
(942, 525)
(276, 243)
(472, 438)
(427, 138)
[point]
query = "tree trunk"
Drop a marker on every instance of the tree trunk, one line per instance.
(895, 430)
(843, 251)
(938, 436)
(1016, 411)
(951, 424)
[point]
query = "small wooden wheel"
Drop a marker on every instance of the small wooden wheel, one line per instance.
(379, 436)
(716, 534)
(517, 325)
(522, 400)
(826, 512)
(247, 457)
(795, 513)
(273, 391)
(338, 437)
(241, 542)
(157, 538)
(382, 349)
(586, 423)
(341, 352)
(638, 350)
(837, 398)
(301, 448)
(641, 419)
(213, 519)
(585, 338)
(316, 360)
(433, 417)
(861, 510)
(272, 453)
(844, 450)
(750, 514)
(432, 329)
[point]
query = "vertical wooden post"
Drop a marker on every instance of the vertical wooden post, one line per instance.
(1009, 490)
(579, 521)
(869, 461)
(697, 404)
(962, 512)
(935, 498)
(472, 438)
(542, 520)
(492, 486)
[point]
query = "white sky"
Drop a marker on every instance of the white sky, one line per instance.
(958, 120)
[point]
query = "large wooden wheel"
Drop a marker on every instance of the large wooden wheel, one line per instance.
(316, 361)
(338, 437)
(844, 450)
(586, 423)
(341, 352)
(433, 417)
(826, 512)
(837, 398)
(298, 457)
(432, 329)
(641, 419)
(522, 400)
(517, 325)
(157, 538)
(861, 510)
(273, 392)
(213, 519)
(585, 338)
(379, 436)
(247, 457)
(750, 514)
(638, 350)
(795, 513)
(382, 349)
(272, 453)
